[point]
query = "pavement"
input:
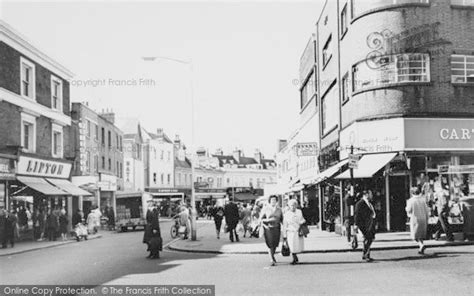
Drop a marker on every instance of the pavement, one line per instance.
(317, 241)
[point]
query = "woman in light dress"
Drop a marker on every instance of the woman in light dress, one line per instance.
(418, 212)
(292, 220)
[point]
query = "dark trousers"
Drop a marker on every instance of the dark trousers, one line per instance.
(443, 226)
(233, 232)
(347, 224)
(218, 223)
(366, 249)
(52, 234)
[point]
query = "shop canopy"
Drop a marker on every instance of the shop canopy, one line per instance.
(331, 171)
(41, 185)
(368, 165)
(245, 197)
(68, 187)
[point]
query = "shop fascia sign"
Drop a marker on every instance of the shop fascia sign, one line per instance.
(6, 170)
(307, 149)
(108, 182)
(43, 168)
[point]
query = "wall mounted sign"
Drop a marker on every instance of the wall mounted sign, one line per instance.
(43, 168)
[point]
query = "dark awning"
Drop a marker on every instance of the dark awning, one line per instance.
(41, 185)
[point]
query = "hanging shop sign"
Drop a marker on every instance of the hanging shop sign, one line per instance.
(6, 170)
(307, 149)
(31, 166)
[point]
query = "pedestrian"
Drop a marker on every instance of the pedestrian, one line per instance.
(52, 225)
(11, 228)
(184, 220)
(3, 223)
(155, 242)
(442, 206)
(76, 218)
(63, 222)
(365, 221)
(272, 218)
(348, 219)
(418, 212)
(218, 214)
(110, 219)
(148, 233)
(231, 214)
(292, 221)
(246, 217)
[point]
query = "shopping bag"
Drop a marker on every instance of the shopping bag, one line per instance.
(304, 230)
(285, 249)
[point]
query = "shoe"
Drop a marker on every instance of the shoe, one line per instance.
(273, 263)
(422, 250)
(294, 262)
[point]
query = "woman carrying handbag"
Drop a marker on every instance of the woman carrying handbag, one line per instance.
(292, 221)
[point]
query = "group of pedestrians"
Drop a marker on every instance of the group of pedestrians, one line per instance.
(8, 227)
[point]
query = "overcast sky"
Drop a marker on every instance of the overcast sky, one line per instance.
(245, 57)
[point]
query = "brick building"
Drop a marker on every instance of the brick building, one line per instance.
(98, 158)
(396, 82)
(35, 144)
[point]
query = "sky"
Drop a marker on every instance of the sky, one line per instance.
(241, 65)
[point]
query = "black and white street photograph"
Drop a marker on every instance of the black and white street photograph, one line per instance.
(236, 147)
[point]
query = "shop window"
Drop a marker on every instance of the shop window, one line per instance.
(462, 68)
(327, 51)
(56, 93)
(28, 133)
(57, 141)
(391, 69)
(28, 89)
(462, 2)
(361, 6)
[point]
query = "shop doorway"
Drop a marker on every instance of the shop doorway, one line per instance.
(399, 193)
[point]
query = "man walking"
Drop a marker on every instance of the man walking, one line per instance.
(231, 214)
(365, 221)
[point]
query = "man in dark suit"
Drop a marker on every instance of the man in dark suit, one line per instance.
(231, 214)
(365, 221)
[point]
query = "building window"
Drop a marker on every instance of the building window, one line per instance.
(56, 93)
(57, 143)
(391, 69)
(329, 110)
(185, 179)
(96, 163)
(162, 155)
(28, 133)
(96, 132)
(169, 156)
(169, 179)
(117, 168)
(117, 147)
(88, 128)
(345, 88)
(361, 6)
(109, 139)
(344, 20)
(103, 162)
(462, 68)
(121, 170)
(462, 2)
(28, 88)
(308, 90)
(162, 179)
(154, 178)
(88, 161)
(327, 51)
(228, 181)
(110, 164)
(103, 136)
(121, 143)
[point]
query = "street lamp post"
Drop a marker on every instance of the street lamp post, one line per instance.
(191, 84)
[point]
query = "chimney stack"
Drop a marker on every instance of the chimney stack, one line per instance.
(108, 115)
(237, 154)
(258, 156)
(159, 132)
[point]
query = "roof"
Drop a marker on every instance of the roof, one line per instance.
(223, 159)
(266, 162)
(247, 160)
(182, 163)
(165, 137)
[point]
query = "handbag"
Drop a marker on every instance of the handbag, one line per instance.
(304, 230)
(226, 228)
(285, 249)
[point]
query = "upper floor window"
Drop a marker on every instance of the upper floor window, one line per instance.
(56, 93)
(462, 2)
(109, 138)
(308, 90)
(462, 68)
(327, 51)
(329, 111)
(88, 127)
(57, 141)
(110, 164)
(162, 178)
(103, 162)
(162, 155)
(344, 20)
(345, 88)
(28, 80)
(169, 179)
(103, 136)
(96, 132)
(28, 133)
(391, 69)
(96, 163)
(88, 161)
(169, 156)
(361, 6)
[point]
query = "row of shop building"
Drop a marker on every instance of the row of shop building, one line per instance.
(59, 154)
(387, 89)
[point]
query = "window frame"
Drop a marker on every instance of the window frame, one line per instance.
(327, 47)
(31, 121)
(345, 88)
(31, 84)
(59, 81)
(465, 63)
(57, 129)
(344, 21)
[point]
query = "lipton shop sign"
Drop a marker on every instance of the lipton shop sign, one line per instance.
(439, 133)
(43, 168)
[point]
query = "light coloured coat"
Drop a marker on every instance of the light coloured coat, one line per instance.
(291, 225)
(418, 212)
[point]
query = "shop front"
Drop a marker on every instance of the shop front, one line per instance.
(169, 198)
(433, 154)
(107, 192)
(7, 175)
